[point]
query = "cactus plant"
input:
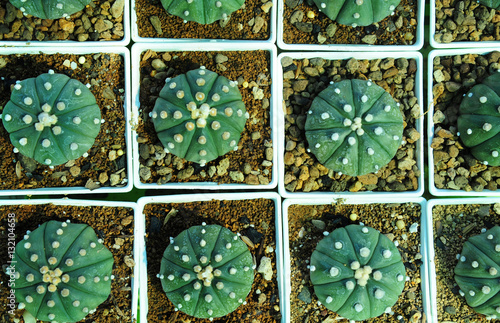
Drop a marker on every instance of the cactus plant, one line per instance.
(207, 271)
(354, 127)
(495, 4)
(357, 12)
(203, 12)
(478, 270)
(199, 115)
(50, 9)
(357, 272)
(479, 120)
(52, 118)
(63, 272)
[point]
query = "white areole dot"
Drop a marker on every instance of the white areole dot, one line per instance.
(487, 126)
(483, 99)
(28, 101)
(7, 117)
(355, 265)
(387, 108)
(77, 120)
(345, 161)
(369, 117)
(23, 141)
(335, 136)
(379, 294)
(370, 151)
(338, 245)
(60, 106)
(47, 86)
(73, 146)
(334, 271)
(494, 153)
(329, 299)
(364, 252)
(351, 141)
(377, 275)
(475, 264)
(358, 307)
(486, 289)
(325, 115)
(347, 108)
(46, 143)
(349, 285)
(378, 131)
(387, 254)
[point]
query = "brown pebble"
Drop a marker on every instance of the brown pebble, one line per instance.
(75, 171)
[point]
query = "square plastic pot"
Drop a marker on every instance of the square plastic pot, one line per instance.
(138, 50)
(316, 230)
(138, 244)
(192, 198)
(431, 126)
(418, 90)
(138, 39)
(127, 185)
(73, 43)
(431, 243)
(419, 39)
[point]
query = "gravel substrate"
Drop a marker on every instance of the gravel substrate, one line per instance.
(453, 225)
(454, 167)
(99, 21)
(252, 163)
(458, 20)
(399, 222)
(304, 24)
(304, 79)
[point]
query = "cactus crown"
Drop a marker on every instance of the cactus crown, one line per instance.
(199, 115)
(478, 270)
(357, 272)
(354, 127)
(204, 11)
(62, 272)
(207, 271)
(479, 120)
(50, 9)
(52, 118)
(357, 12)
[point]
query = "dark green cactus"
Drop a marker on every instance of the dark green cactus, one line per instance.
(357, 272)
(495, 4)
(204, 11)
(63, 272)
(50, 9)
(354, 127)
(357, 12)
(199, 116)
(478, 271)
(52, 118)
(207, 271)
(479, 120)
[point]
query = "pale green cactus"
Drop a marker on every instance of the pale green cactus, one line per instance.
(204, 11)
(52, 118)
(207, 271)
(50, 9)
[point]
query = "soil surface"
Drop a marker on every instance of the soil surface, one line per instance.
(251, 22)
(453, 225)
(454, 167)
(252, 162)
(304, 79)
(254, 219)
(99, 21)
(106, 161)
(112, 224)
(399, 222)
(304, 24)
(459, 20)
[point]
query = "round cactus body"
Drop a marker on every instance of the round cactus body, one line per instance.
(199, 115)
(354, 127)
(62, 272)
(207, 271)
(479, 120)
(357, 272)
(478, 271)
(52, 118)
(357, 12)
(202, 12)
(50, 9)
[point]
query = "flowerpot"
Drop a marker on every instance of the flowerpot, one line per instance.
(453, 171)
(252, 164)
(451, 222)
(400, 32)
(302, 77)
(306, 222)
(106, 167)
(101, 22)
(455, 24)
(257, 217)
(114, 222)
(256, 21)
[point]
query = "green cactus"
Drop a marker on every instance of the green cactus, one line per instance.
(50, 9)
(199, 115)
(207, 271)
(495, 4)
(354, 127)
(357, 12)
(357, 272)
(62, 273)
(478, 271)
(202, 12)
(479, 120)
(52, 118)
